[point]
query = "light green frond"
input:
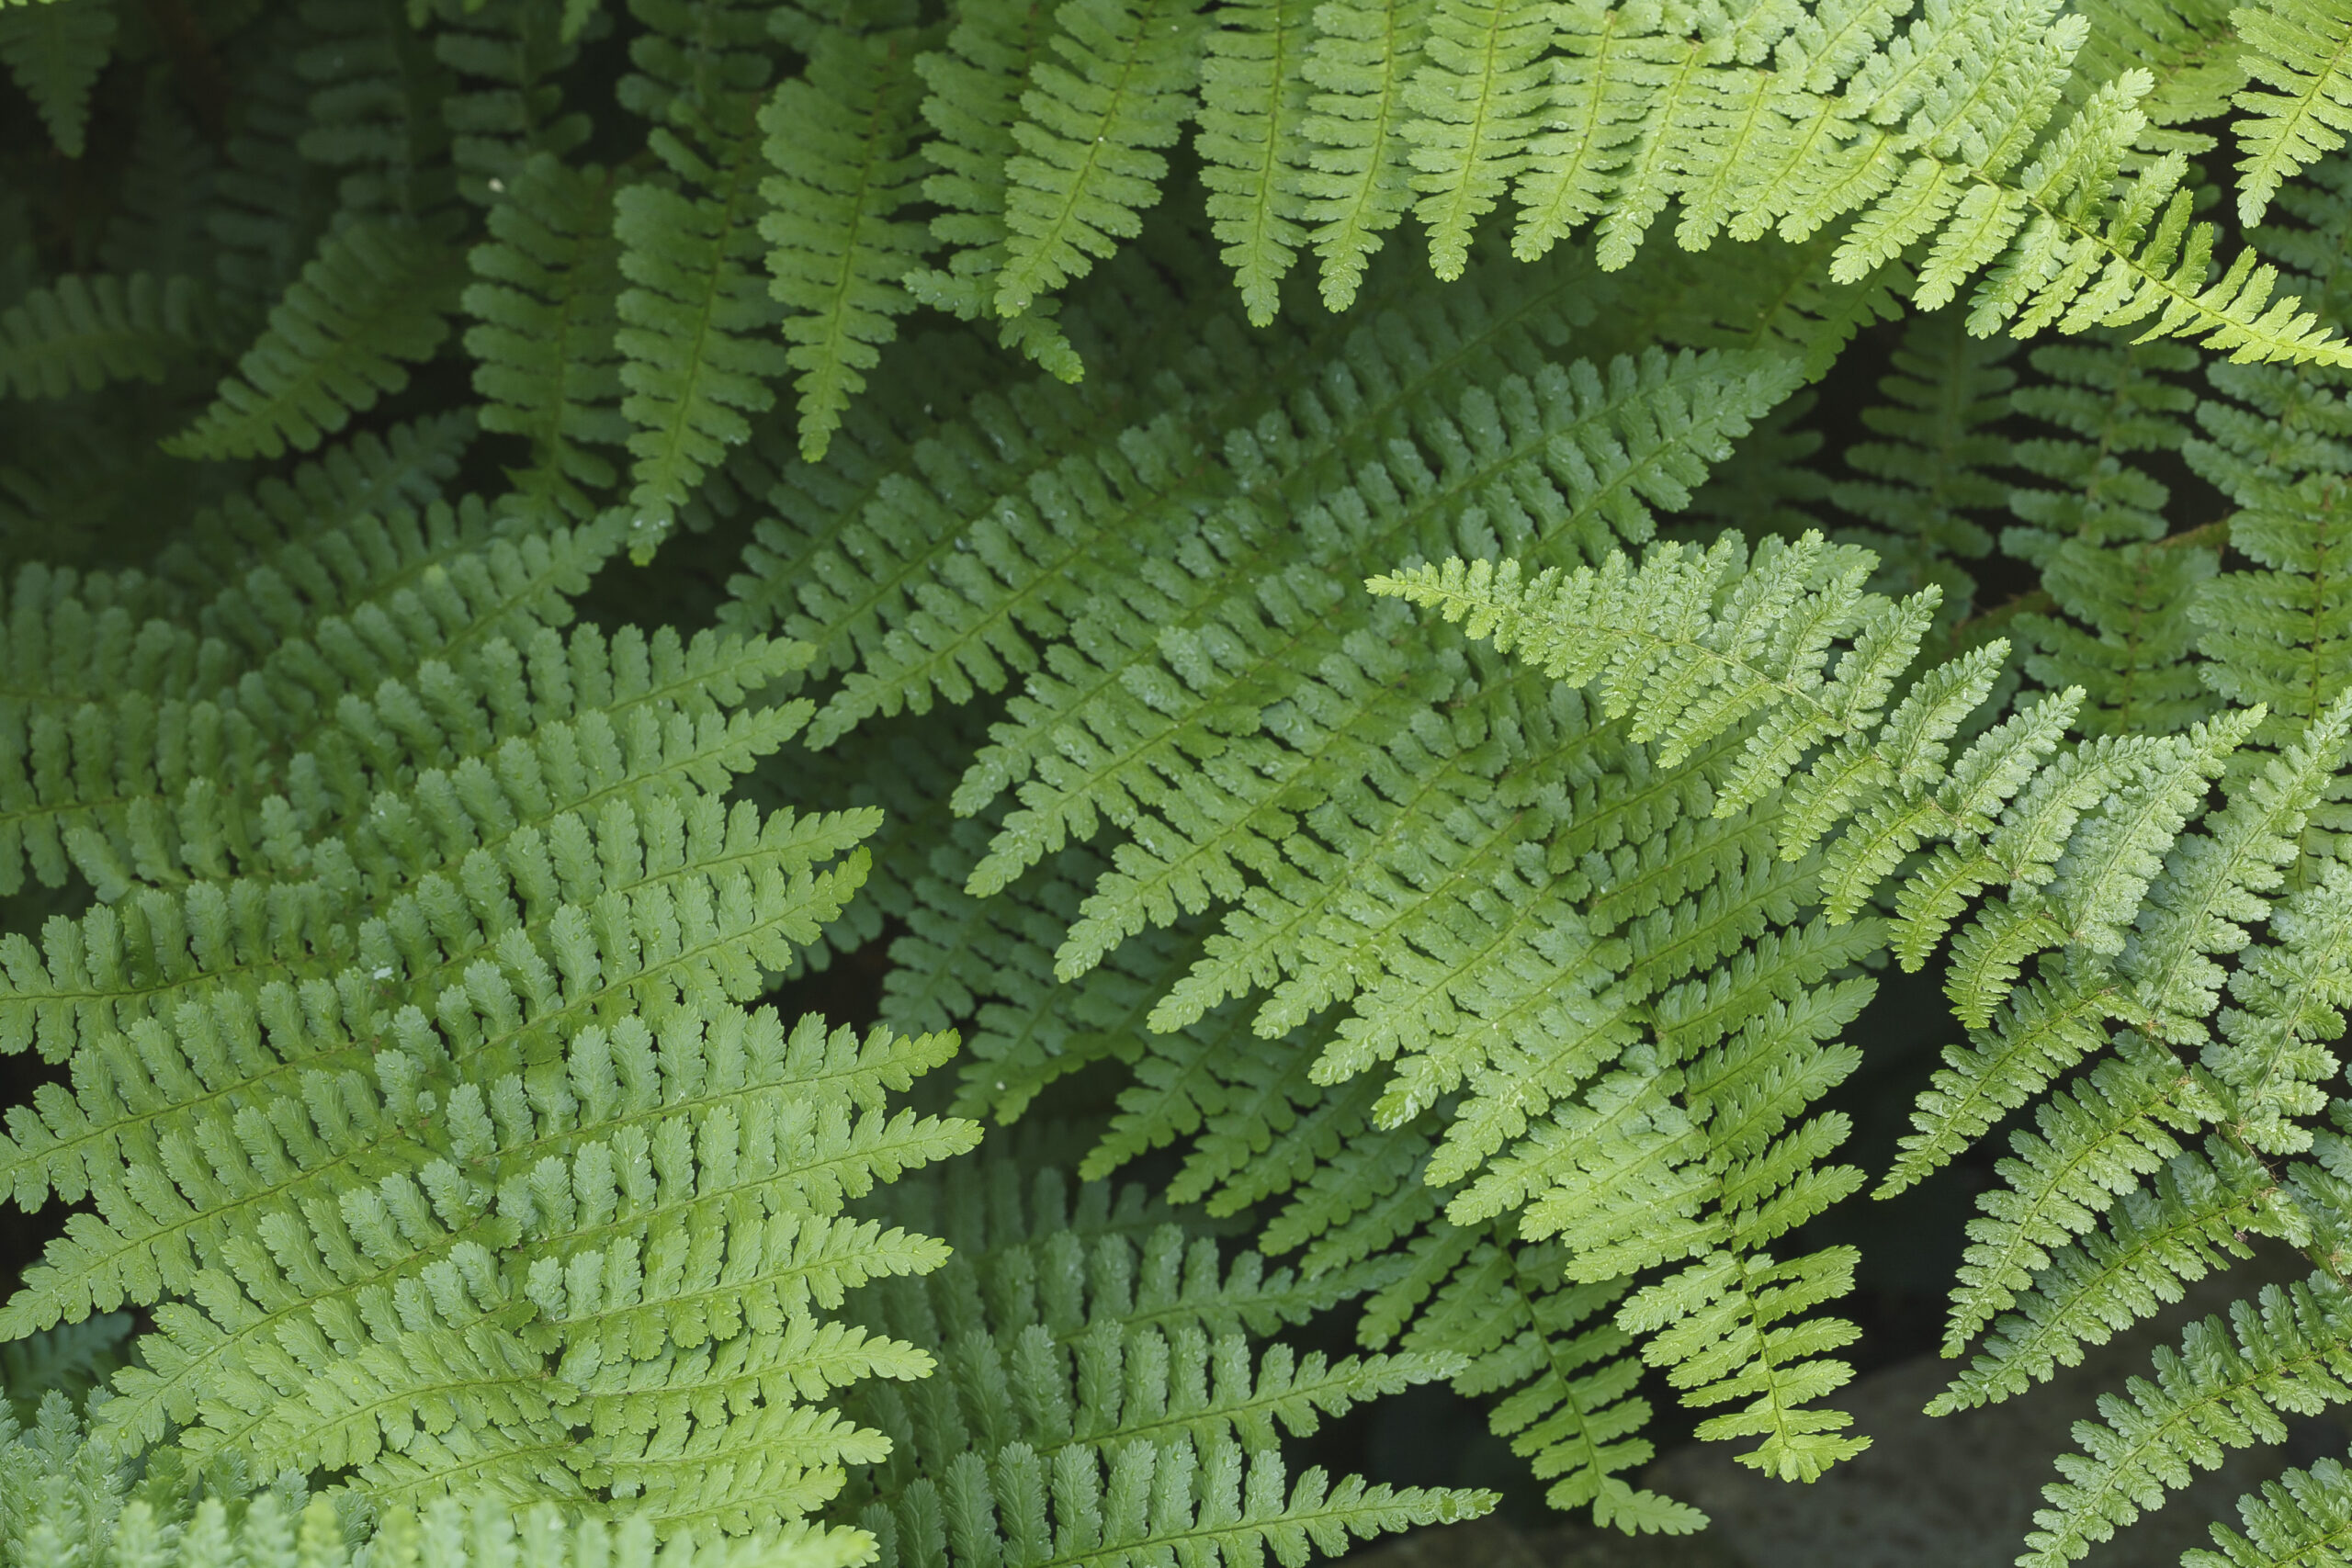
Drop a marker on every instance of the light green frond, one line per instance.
(2300, 57)
(2288, 1350)
(1358, 179)
(1253, 103)
(1477, 102)
(2300, 1518)
(840, 137)
(1091, 129)
(2160, 1237)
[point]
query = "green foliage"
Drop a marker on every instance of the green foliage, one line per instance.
(376, 295)
(54, 54)
(1430, 780)
(65, 1498)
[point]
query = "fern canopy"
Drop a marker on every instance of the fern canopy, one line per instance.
(917, 781)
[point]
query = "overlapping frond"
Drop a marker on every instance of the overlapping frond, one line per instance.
(376, 296)
(1103, 1392)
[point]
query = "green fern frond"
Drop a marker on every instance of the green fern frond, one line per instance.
(2299, 1518)
(1080, 1391)
(2275, 636)
(1253, 103)
(375, 296)
(1570, 1408)
(2160, 1237)
(1357, 182)
(2300, 56)
(375, 106)
(508, 110)
(80, 333)
(54, 53)
(1089, 135)
(696, 357)
(543, 297)
(976, 82)
(2289, 1350)
(1931, 478)
(841, 139)
(1477, 102)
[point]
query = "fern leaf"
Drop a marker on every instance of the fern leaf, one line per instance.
(2092, 1143)
(1088, 164)
(2299, 1518)
(2160, 1237)
(375, 296)
(1358, 180)
(1570, 1408)
(2291, 1350)
(543, 296)
(82, 333)
(696, 357)
(840, 137)
(1253, 106)
(2302, 55)
(976, 85)
(54, 53)
(1475, 103)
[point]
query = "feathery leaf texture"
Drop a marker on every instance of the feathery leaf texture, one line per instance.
(54, 53)
(841, 134)
(2300, 58)
(375, 296)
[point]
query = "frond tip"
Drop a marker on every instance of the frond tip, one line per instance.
(377, 295)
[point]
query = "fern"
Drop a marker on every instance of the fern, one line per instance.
(1430, 783)
(695, 356)
(1254, 101)
(54, 54)
(60, 1494)
(976, 83)
(544, 293)
(1103, 1395)
(1357, 180)
(839, 247)
(2300, 55)
(81, 334)
(374, 297)
(1088, 162)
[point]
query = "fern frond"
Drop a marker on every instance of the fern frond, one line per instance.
(1358, 179)
(2275, 635)
(1089, 137)
(543, 298)
(82, 333)
(841, 139)
(375, 296)
(508, 110)
(54, 54)
(1570, 1408)
(2300, 56)
(1930, 476)
(375, 108)
(1253, 104)
(1477, 102)
(1075, 1380)
(2300, 1518)
(2289, 1350)
(976, 82)
(2160, 1237)
(697, 358)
